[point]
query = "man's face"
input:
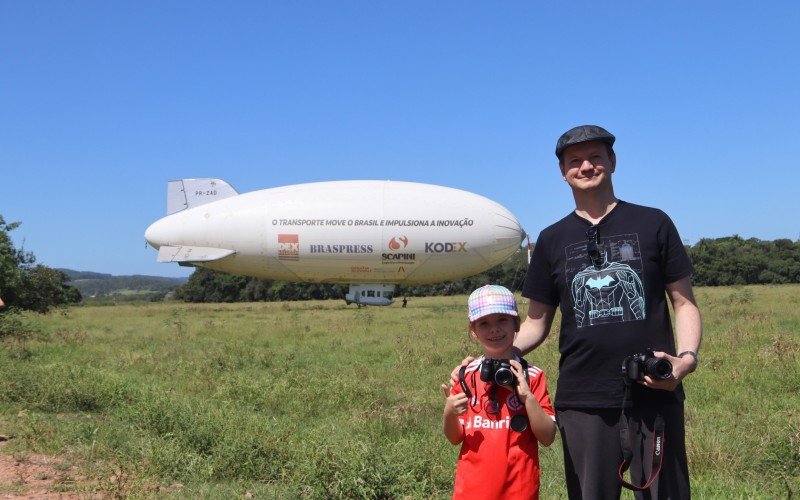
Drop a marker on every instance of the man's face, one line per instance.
(588, 165)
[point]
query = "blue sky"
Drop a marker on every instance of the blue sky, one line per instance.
(101, 103)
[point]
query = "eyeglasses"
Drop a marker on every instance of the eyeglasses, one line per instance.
(592, 246)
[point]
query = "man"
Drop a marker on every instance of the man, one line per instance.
(610, 265)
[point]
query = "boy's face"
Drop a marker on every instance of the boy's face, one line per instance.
(496, 333)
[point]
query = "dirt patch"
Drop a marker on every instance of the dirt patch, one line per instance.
(34, 476)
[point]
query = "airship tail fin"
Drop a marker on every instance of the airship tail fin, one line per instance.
(191, 254)
(190, 193)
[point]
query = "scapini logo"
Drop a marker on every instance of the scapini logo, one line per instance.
(395, 244)
(398, 242)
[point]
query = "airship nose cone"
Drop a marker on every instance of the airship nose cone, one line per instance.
(156, 234)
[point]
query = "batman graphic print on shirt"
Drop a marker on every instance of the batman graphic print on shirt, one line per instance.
(611, 292)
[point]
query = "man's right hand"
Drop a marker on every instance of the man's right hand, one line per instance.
(454, 373)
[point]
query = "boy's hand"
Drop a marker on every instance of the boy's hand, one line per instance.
(455, 404)
(454, 373)
(523, 389)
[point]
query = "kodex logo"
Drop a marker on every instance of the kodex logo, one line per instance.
(453, 247)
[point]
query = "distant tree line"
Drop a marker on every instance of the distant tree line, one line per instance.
(721, 261)
(100, 285)
(205, 285)
(735, 261)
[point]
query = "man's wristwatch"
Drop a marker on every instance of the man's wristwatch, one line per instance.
(690, 353)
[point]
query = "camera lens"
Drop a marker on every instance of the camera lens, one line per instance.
(504, 376)
(658, 368)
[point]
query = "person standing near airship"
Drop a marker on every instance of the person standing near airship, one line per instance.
(610, 265)
(501, 416)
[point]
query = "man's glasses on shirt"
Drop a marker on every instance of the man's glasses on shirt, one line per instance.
(593, 247)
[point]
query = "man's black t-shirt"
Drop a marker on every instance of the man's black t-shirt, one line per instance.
(612, 308)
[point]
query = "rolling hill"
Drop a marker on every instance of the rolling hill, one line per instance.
(92, 284)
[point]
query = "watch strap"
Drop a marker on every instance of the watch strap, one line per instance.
(692, 354)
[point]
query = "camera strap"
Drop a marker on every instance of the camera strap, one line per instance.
(524, 363)
(627, 450)
(463, 382)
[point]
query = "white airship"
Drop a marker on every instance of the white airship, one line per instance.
(371, 235)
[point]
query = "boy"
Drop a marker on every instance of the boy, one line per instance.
(497, 418)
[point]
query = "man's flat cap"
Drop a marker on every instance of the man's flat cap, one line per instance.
(583, 133)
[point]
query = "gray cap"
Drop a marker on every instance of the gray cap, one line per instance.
(583, 133)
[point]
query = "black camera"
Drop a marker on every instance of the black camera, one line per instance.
(635, 367)
(498, 370)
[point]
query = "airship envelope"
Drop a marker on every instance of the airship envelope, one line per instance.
(365, 233)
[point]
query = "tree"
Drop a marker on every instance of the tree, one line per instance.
(206, 285)
(26, 285)
(733, 260)
(44, 287)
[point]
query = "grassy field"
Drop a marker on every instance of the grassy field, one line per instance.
(319, 400)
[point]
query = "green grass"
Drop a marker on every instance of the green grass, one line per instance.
(318, 400)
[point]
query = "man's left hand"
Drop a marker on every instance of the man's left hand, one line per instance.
(680, 368)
